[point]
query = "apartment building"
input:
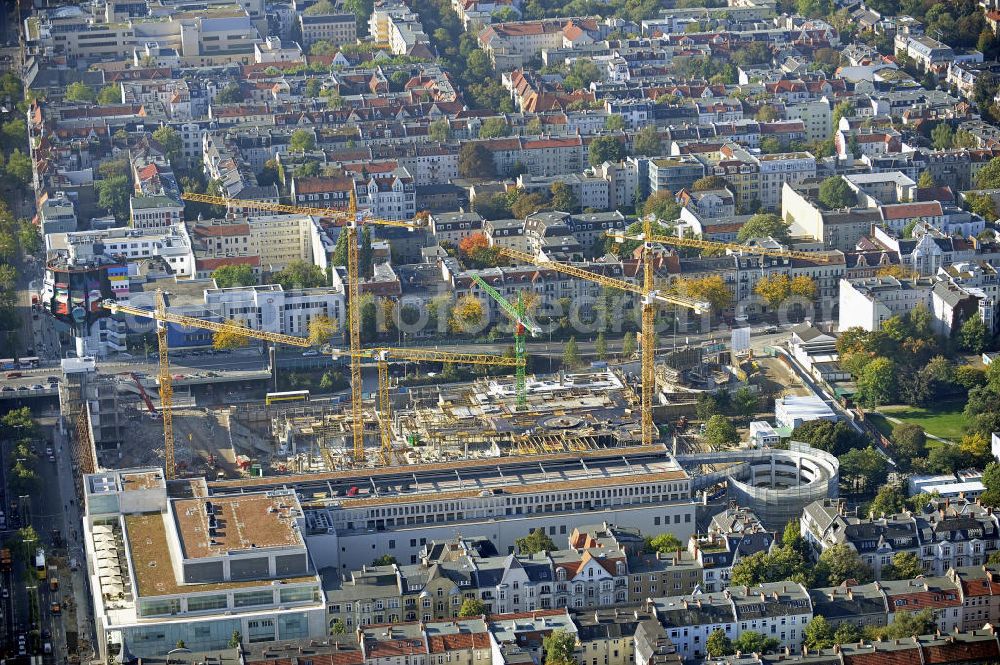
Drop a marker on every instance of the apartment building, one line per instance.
(777, 169)
(338, 29)
(171, 244)
(778, 610)
(674, 173)
(272, 308)
(868, 302)
(947, 534)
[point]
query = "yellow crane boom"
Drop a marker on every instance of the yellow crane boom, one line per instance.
(604, 280)
(166, 385)
(294, 209)
(712, 245)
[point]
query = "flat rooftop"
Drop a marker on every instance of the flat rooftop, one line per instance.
(153, 567)
(146, 480)
(215, 527)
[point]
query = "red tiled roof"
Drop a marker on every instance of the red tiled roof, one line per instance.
(323, 185)
(220, 230)
(909, 656)
(980, 651)
(457, 642)
(212, 264)
(513, 616)
(907, 210)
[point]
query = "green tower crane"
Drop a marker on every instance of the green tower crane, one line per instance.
(517, 313)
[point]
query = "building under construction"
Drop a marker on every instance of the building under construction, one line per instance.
(564, 412)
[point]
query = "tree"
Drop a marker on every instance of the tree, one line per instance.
(439, 130)
(558, 647)
(563, 198)
(803, 286)
(991, 481)
(338, 627)
(844, 108)
(926, 180)
(472, 607)
(19, 168)
(109, 94)
(904, 566)
(79, 92)
(989, 176)
(235, 640)
(864, 468)
(320, 8)
(601, 346)
(841, 562)
(763, 225)
(300, 274)
(766, 113)
(904, 625)
(664, 543)
(982, 205)
(493, 128)
(527, 204)
(384, 560)
(170, 141)
(745, 403)
(888, 501)
(646, 142)
(302, 140)
(774, 289)
(770, 145)
(535, 542)
(749, 641)
(877, 383)
(224, 340)
(718, 644)
(720, 432)
(628, 345)
(835, 193)
(605, 149)
(366, 255)
(662, 205)
(909, 442)
(234, 275)
(582, 73)
(571, 354)
(613, 123)
(709, 182)
(942, 136)
(476, 161)
(712, 289)
(818, 633)
(321, 329)
(973, 334)
(113, 194)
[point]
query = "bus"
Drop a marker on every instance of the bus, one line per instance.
(40, 564)
(290, 396)
(8, 363)
(29, 362)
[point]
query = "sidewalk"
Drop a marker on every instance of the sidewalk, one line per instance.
(72, 524)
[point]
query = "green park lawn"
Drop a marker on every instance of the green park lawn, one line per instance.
(943, 419)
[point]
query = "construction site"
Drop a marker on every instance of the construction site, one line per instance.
(487, 418)
(429, 424)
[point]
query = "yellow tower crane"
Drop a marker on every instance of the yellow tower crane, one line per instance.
(650, 296)
(384, 355)
(161, 315)
(353, 220)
